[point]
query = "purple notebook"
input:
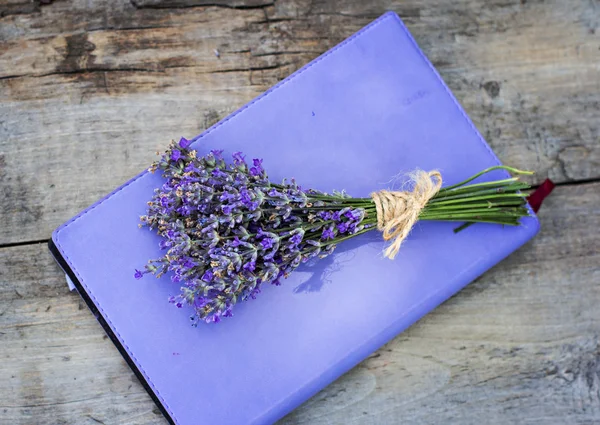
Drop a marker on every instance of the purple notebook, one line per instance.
(353, 119)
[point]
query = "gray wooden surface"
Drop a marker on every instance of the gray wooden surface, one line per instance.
(89, 90)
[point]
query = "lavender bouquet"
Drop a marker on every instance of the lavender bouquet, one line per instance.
(227, 229)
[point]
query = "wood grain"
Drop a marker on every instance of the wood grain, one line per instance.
(89, 92)
(519, 345)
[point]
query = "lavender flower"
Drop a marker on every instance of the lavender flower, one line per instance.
(328, 234)
(184, 143)
(257, 169)
(175, 155)
(227, 230)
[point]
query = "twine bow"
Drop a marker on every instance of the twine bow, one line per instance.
(397, 212)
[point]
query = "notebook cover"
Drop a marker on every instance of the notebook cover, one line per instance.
(353, 119)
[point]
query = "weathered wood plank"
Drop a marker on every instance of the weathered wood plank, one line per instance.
(519, 345)
(89, 92)
(57, 365)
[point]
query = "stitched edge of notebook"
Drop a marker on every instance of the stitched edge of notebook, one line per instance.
(205, 133)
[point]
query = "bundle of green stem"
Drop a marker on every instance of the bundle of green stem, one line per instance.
(499, 202)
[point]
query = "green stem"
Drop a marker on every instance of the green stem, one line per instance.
(475, 204)
(479, 197)
(468, 190)
(499, 220)
(478, 185)
(487, 170)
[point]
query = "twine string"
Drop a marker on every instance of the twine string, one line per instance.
(398, 211)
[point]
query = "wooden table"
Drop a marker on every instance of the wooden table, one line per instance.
(89, 90)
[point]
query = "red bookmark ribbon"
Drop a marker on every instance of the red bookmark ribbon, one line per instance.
(538, 196)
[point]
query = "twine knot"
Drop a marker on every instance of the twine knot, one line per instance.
(397, 212)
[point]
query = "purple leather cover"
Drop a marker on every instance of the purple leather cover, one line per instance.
(352, 119)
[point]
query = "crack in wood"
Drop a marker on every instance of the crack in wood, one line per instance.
(96, 420)
(252, 68)
(269, 21)
(16, 244)
(182, 4)
(89, 71)
(291, 52)
(158, 70)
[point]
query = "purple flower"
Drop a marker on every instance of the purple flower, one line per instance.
(138, 274)
(342, 227)
(188, 263)
(218, 173)
(296, 239)
(184, 210)
(175, 155)
(255, 292)
(355, 214)
(325, 215)
(238, 158)
(257, 169)
(267, 243)
(200, 302)
(227, 196)
(277, 281)
(184, 143)
(328, 234)
(207, 276)
(336, 216)
(245, 197)
(249, 266)
(191, 168)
